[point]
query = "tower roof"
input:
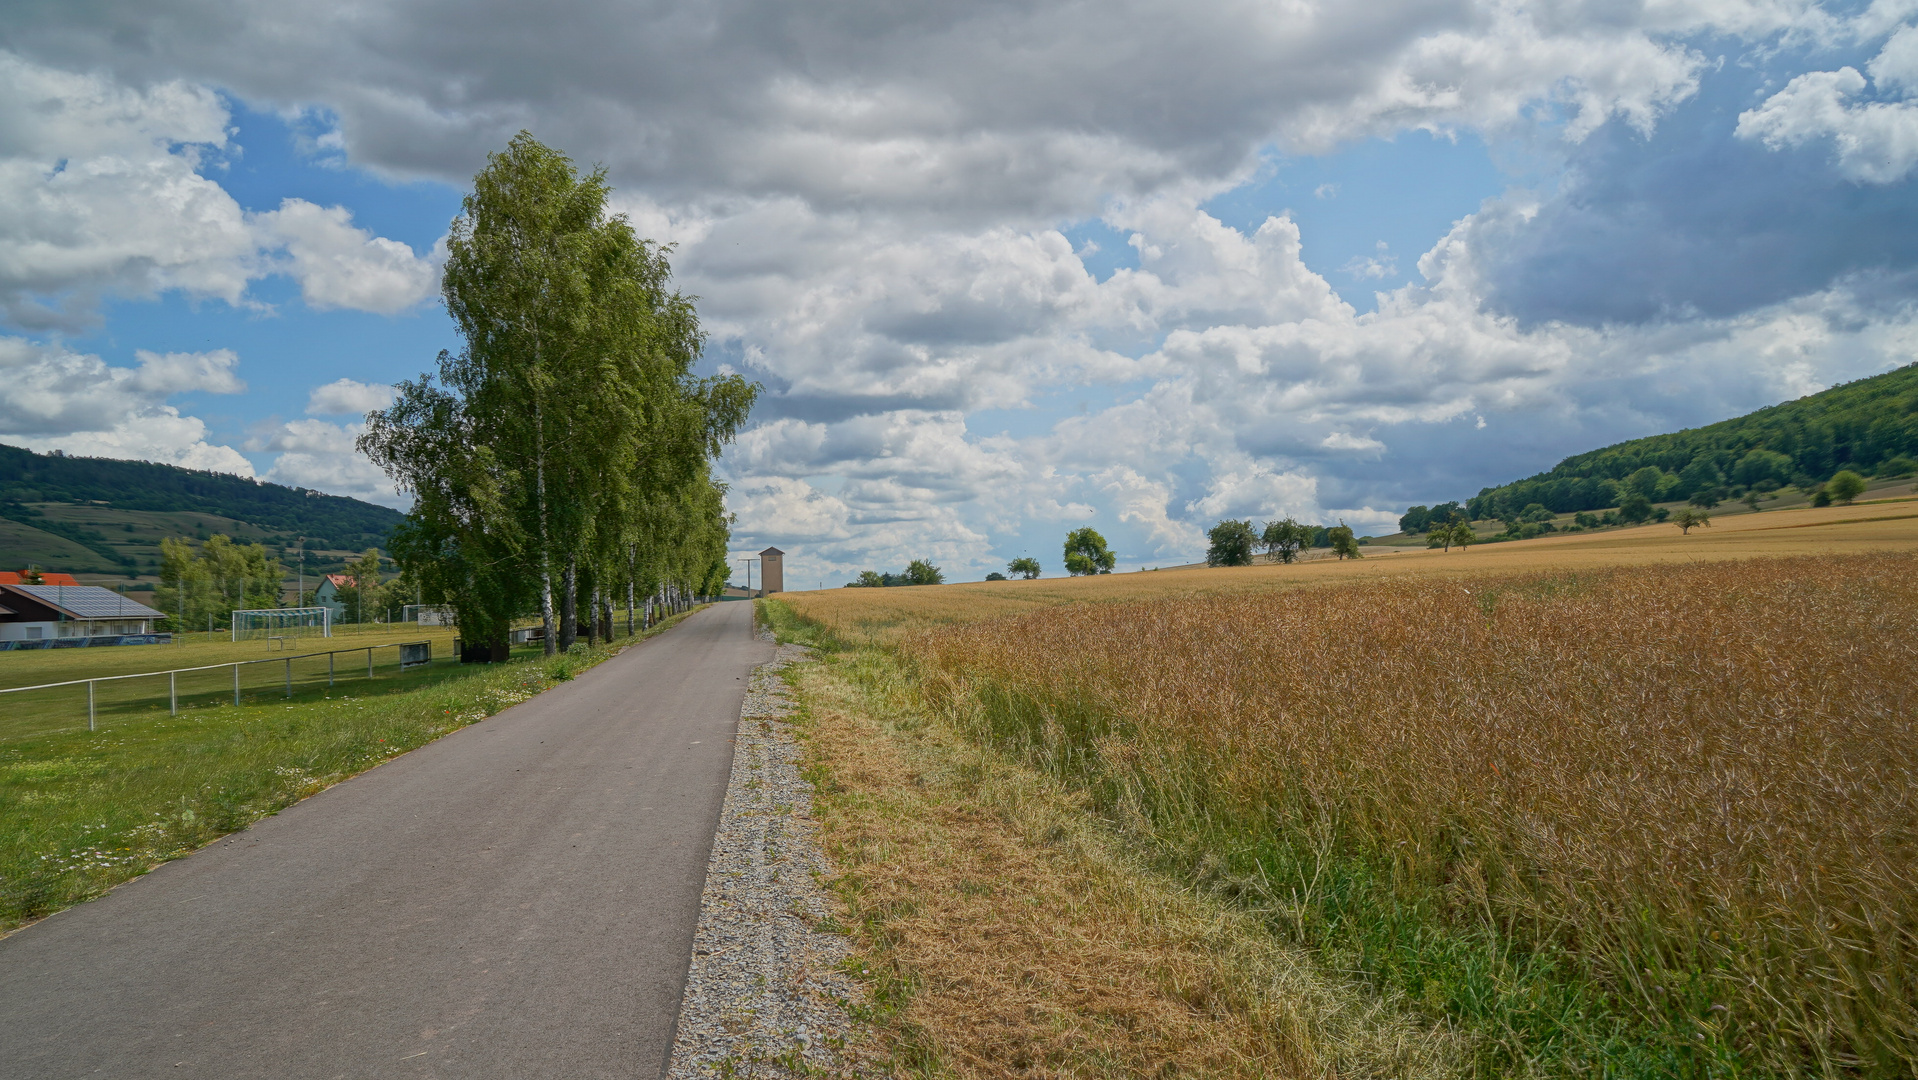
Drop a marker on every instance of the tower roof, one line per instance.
(772, 551)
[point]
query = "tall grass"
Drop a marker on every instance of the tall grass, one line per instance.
(1658, 821)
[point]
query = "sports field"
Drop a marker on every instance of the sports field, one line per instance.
(290, 669)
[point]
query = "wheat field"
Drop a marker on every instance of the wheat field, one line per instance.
(1623, 804)
(880, 615)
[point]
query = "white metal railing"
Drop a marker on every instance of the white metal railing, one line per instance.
(412, 654)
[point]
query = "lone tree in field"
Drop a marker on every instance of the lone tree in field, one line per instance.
(567, 447)
(921, 572)
(1845, 486)
(1446, 534)
(1086, 553)
(1344, 544)
(1024, 566)
(1231, 544)
(1285, 538)
(1688, 519)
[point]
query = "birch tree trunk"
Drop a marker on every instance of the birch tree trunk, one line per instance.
(568, 605)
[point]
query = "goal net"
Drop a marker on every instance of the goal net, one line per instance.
(428, 614)
(256, 624)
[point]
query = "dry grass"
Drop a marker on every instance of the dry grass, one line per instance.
(1615, 803)
(1656, 821)
(881, 615)
(1010, 936)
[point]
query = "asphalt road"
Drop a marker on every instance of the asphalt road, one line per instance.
(516, 900)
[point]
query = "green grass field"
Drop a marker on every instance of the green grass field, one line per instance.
(83, 811)
(268, 671)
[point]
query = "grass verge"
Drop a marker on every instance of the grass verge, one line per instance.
(1007, 930)
(82, 812)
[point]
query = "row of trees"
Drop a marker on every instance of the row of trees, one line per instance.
(1234, 543)
(917, 572)
(202, 587)
(561, 460)
(1865, 428)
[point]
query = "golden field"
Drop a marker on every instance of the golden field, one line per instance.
(881, 614)
(1628, 803)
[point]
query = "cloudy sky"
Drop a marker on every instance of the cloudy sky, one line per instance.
(1003, 269)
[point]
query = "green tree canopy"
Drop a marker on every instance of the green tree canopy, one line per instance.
(1232, 543)
(1707, 498)
(1688, 519)
(1344, 544)
(567, 446)
(1845, 485)
(1086, 553)
(213, 581)
(921, 572)
(1285, 538)
(363, 595)
(1024, 566)
(1859, 426)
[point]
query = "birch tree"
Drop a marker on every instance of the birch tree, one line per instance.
(568, 440)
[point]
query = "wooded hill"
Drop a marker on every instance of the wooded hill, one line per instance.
(101, 515)
(1865, 426)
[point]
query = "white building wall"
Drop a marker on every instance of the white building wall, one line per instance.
(44, 631)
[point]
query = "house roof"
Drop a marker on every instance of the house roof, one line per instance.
(11, 577)
(86, 601)
(341, 581)
(772, 551)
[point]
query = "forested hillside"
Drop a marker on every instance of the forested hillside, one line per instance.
(1869, 426)
(106, 507)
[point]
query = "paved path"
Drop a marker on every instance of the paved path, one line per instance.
(516, 900)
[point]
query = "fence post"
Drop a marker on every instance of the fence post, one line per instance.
(173, 693)
(329, 670)
(289, 676)
(90, 724)
(369, 661)
(236, 684)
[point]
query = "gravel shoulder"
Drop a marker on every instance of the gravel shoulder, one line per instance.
(767, 994)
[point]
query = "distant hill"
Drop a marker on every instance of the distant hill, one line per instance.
(99, 515)
(1862, 426)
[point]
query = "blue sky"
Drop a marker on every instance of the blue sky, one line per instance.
(1002, 272)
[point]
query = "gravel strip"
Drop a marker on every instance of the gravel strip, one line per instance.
(766, 996)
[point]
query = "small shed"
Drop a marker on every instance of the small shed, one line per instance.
(772, 575)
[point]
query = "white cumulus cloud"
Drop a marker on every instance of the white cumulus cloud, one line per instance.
(319, 455)
(102, 193)
(340, 265)
(1875, 141)
(57, 399)
(342, 396)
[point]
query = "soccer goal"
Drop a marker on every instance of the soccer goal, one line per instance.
(256, 624)
(428, 614)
